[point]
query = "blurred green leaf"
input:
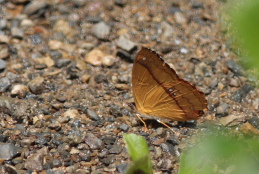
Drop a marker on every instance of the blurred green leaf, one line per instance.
(139, 153)
(244, 27)
(221, 152)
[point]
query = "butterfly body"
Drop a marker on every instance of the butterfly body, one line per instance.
(158, 91)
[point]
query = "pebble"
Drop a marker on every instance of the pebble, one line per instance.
(27, 23)
(63, 26)
(17, 33)
(248, 129)
(222, 109)
(36, 85)
(108, 60)
(8, 151)
(234, 67)
(122, 86)
(3, 24)
(45, 60)
(121, 168)
(180, 18)
(254, 121)
(167, 31)
(36, 39)
(5, 84)
(6, 105)
(2, 64)
(124, 127)
(19, 90)
(34, 6)
(101, 30)
(242, 92)
(4, 39)
(125, 43)
(100, 78)
(125, 55)
(93, 142)
(92, 115)
(62, 62)
(95, 57)
(34, 162)
(231, 120)
(167, 147)
(4, 51)
(115, 149)
(115, 111)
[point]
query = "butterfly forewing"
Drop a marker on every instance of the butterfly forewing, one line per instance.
(158, 91)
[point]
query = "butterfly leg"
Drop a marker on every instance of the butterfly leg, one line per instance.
(176, 133)
(145, 129)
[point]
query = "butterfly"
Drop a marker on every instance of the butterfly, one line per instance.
(160, 93)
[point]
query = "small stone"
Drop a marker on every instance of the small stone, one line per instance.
(19, 90)
(36, 85)
(93, 142)
(71, 113)
(54, 125)
(125, 55)
(222, 109)
(6, 105)
(95, 57)
(3, 24)
(34, 162)
(124, 127)
(85, 78)
(80, 64)
(116, 149)
(121, 168)
(55, 45)
(45, 60)
(167, 147)
(57, 163)
(34, 6)
(242, 92)
(115, 111)
(122, 86)
(254, 121)
(5, 84)
(4, 51)
(27, 23)
(248, 129)
(231, 120)
(2, 64)
(108, 60)
(92, 115)
(234, 67)
(17, 33)
(62, 62)
(36, 39)
(180, 18)
(7, 151)
(234, 82)
(125, 43)
(4, 39)
(55, 54)
(100, 79)
(184, 50)
(101, 30)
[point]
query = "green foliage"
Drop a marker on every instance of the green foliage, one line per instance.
(244, 27)
(220, 151)
(139, 153)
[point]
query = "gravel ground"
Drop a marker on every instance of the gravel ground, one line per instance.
(65, 81)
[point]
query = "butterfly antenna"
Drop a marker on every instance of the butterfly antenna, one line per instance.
(159, 121)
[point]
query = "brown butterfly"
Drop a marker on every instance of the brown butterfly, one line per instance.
(158, 91)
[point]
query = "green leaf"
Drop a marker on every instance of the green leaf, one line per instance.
(139, 153)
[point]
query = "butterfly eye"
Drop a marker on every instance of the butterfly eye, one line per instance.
(175, 94)
(170, 90)
(144, 58)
